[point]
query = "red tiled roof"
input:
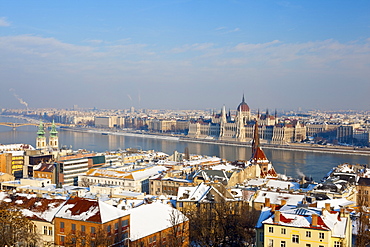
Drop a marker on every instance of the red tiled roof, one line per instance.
(259, 155)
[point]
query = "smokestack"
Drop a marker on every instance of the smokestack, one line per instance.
(283, 202)
(327, 207)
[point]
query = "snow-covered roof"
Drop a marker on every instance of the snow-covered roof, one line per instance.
(302, 217)
(133, 175)
(278, 184)
(89, 210)
(335, 203)
(256, 182)
(224, 167)
(34, 207)
(276, 197)
(15, 147)
(155, 212)
(192, 193)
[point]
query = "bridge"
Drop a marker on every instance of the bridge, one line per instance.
(16, 125)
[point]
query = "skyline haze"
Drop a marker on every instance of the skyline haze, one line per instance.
(185, 54)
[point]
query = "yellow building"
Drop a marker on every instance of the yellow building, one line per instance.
(286, 226)
(11, 162)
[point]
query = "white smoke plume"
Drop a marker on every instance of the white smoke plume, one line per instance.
(129, 96)
(300, 173)
(18, 98)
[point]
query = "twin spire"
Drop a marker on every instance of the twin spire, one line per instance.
(41, 139)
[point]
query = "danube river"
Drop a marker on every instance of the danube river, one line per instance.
(291, 163)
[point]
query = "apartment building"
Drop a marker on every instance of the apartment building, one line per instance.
(286, 226)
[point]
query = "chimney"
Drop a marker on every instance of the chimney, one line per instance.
(277, 216)
(342, 213)
(327, 207)
(267, 202)
(273, 207)
(314, 220)
(283, 202)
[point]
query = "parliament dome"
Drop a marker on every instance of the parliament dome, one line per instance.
(243, 106)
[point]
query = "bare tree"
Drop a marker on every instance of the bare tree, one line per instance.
(179, 233)
(101, 238)
(222, 224)
(85, 182)
(15, 228)
(363, 235)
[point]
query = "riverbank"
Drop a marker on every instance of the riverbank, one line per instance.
(301, 147)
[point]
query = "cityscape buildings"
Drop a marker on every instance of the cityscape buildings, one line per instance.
(121, 187)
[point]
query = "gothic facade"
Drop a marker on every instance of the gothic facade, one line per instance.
(240, 127)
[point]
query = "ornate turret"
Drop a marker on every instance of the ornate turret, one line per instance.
(41, 139)
(223, 121)
(53, 138)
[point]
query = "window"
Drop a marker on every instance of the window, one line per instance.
(308, 234)
(282, 244)
(125, 223)
(45, 230)
(50, 231)
(271, 243)
(337, 244)
(261, 236)
(283, 231)
(109, 228)
(62, 240)
(271, 229)
(92, 229)
(321, 235)
(115, 226)
(83, 228)
(308, 245)
(74, 227)
(62, 226)
(295, 239)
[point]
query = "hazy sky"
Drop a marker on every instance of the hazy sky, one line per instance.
(185, 54)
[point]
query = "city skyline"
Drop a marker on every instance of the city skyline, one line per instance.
(185, 54)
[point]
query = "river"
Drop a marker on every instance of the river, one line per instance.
(289, 162)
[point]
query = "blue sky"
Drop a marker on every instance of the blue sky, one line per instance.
(185, 54)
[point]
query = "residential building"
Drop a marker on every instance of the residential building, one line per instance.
(286, 226)
(171, 227)
(87, 222)
(135, 180)
(40, 211)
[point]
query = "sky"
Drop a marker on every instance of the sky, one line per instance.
(182, 54)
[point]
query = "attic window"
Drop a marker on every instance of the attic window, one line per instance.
(264, 194)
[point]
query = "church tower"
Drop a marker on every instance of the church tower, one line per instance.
(41, 139)
(53, 138)
(259, 159)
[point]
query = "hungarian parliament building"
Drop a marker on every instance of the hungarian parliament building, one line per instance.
(241, 127)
